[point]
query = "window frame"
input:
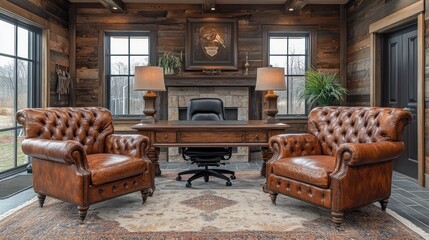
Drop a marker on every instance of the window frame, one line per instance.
(34, 91)
(281, 30)
(151, 34)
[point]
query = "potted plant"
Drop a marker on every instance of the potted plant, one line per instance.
(322, 89)
(169, 62)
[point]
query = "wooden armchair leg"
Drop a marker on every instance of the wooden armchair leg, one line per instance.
(41, 199)
(145, 194)
(273, 197)
(83, 210)
(383, 204)
(337, 217)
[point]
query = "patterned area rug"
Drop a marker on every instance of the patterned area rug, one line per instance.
(206, 211)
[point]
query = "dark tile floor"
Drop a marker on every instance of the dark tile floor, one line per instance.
(408, 199)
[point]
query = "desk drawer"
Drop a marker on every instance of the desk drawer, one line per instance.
(256, 137)
(213, 137)
(165, 137)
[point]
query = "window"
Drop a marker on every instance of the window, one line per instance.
(19, 77)
(289, 48)
(125, 51)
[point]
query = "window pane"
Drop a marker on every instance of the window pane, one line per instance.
(24, 77)
(7, 33)
(138, 61)
(282, 102)
(278, 61)
(139, 45)
(21, 157)
(119, 45)
(129, 50)
(7, 150)
(278, 45)
(119, 95)
(296, 65)
(7, 92)
(136, 101)
(23, 39)
(119, 65)
(297, 45)
(295, 86)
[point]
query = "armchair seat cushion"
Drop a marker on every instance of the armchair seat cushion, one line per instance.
(313, 169)
(106, 167)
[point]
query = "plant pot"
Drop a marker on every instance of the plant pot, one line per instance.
(168, 71)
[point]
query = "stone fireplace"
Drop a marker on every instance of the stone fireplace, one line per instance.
(234, 98)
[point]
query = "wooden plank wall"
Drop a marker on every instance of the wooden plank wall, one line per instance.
(426, 94)
(360, 14)
(51, 15)
(170, 22)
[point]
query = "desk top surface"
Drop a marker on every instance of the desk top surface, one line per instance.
(207, 125)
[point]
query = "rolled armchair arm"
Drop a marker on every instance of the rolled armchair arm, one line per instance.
(130, 145)
(69, 151)
(357, 154)
(293, 145)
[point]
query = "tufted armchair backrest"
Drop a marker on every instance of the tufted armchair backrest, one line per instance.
(334, 126)
(89, 126)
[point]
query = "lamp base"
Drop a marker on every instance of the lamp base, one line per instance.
(149, 119)
(150, 107)
(271, 120)
(271, 107)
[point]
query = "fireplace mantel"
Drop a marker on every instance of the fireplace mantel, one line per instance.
(194, 79)
(220, 80)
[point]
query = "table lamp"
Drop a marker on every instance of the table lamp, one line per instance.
(150, 79)
(270, 79)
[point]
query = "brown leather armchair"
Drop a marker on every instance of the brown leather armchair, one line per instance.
(77, 158)
(345, 161)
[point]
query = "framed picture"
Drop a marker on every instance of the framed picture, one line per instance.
(211, 44)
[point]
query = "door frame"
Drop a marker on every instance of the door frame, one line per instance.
(411, 13)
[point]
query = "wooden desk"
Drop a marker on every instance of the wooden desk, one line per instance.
(252, 133)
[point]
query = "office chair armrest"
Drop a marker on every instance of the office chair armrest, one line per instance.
(229, 155)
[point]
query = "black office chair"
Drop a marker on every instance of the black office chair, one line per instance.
(206, 109)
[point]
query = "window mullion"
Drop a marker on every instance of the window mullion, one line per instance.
(15, 139)
(129, 75)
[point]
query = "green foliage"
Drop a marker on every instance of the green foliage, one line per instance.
(322, 89)
(169, 62)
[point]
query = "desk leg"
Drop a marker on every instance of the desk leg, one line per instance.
(266, 155)
(153, 154)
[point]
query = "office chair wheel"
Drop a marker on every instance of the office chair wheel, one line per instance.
(188, 185)
(179, 178)
(206, 178)
(228, 184)
(232, 177)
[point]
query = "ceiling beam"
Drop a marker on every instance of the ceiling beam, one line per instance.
(209, 5)
(116, 6)
(295, 5)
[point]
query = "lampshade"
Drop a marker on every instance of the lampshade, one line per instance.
(149, 78)
(270, 78)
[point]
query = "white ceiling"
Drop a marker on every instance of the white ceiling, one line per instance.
(220, 1)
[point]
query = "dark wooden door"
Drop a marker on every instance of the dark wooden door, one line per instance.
(399, 82)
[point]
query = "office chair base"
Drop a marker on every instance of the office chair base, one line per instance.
(206, 173)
